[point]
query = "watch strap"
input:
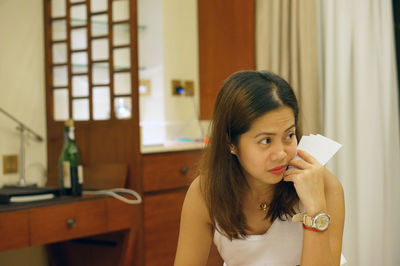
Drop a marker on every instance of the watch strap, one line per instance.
(304, 218)
(313, 229)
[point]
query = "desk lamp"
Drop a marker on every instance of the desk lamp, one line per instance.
(21, 127)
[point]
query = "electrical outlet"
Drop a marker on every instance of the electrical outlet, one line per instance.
(10, 164)
(182, 87)
(176, 87)
(144, 87)
(189, 87)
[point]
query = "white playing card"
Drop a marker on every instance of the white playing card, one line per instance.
(320, 147)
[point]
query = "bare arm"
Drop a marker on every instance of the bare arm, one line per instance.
(319, 190)
(195, 234)
(326, 246)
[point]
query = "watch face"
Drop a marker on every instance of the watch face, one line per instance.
(322, 221)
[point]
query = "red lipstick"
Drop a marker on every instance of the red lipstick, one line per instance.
(278, 170)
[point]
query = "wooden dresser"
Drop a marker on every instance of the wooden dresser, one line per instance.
(77, 230)
(166, 177)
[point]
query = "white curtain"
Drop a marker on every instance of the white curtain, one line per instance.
(286, 43)
(359, 84)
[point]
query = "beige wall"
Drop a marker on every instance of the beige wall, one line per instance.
(180, 33)
(168, 49)
(22, 93)
(22, 84)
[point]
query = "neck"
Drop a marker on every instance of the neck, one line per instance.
(261, 192)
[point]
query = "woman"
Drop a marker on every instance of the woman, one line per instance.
(245, 196)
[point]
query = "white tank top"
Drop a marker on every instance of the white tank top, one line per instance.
(281, 245)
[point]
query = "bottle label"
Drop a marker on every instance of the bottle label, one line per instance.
(80, 174)
(67, 174)
(71, 133)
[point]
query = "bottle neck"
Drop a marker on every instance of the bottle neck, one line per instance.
(69, 134)
(66, 132)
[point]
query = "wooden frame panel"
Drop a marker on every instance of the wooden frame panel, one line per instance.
(226, 45)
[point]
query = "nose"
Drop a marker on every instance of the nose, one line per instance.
(278, 152)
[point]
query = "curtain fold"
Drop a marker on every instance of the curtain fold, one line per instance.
(286, 44)
(360, 111)
(341, 54)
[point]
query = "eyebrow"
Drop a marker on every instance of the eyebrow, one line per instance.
(268, 133)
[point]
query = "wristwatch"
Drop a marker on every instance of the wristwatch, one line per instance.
(319, 222)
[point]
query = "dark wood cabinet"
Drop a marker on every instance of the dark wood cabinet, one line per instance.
(226, 45)
(171, 170)
(77, 230)
(166, 177)
(9, 222)
(161, 225)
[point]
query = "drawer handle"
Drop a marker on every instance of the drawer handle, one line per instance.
(71, 223)
(184, 170)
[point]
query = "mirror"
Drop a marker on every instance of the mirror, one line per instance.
(98, 5)
(101, 98)
(121, 34)
(79, 62)
(99, 25)
(78, 15)
(61, 110)
(168, 69)
(59, 53)
(59, 30)
(80, 86)
(80, 109)
(78, 39)
(100, 49)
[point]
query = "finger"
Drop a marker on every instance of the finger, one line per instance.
(289, 178)
(300, 164)
(292, 172)
(307, 157)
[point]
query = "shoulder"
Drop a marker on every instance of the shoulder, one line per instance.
(333, 187)
(334, 196)
(195, 234)
(195, 203)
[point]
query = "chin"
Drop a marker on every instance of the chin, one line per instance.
(275, 179)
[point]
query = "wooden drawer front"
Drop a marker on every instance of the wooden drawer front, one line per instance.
(62, 222)
(14, 230)
(169, 170)
(161, 221)
(121, 215)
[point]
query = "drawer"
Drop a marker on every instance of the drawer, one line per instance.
(121, 215)
(169, 170)
(162, 213)
(63, 222)
(14, 230)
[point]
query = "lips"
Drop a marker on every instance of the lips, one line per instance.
(278, 170)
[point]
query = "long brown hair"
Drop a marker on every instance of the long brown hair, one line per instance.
(244, 97)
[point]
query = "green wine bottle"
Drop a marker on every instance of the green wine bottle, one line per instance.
(71, 172)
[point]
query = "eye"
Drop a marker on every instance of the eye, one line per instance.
(291, 135)
(265, 141)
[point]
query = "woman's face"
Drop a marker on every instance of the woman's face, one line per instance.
(266, 149)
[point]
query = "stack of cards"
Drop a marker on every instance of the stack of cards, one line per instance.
(320, 147)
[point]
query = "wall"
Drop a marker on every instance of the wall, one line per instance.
(168, 50)
(150, 57)
(22, 94)
(22, 84)
(181, 62)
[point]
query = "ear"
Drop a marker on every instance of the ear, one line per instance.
(233, 149)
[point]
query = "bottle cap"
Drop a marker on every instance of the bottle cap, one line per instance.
(69, 123)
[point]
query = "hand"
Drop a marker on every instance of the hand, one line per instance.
(308, 179)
